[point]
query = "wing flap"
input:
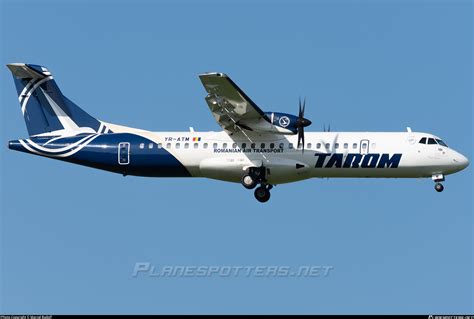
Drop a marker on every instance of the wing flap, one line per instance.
(230, 106)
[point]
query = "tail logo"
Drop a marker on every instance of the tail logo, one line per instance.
(58, 152)
(26, 96)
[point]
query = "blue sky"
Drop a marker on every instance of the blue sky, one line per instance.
(70, 236)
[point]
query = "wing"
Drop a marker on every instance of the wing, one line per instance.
(231, 107)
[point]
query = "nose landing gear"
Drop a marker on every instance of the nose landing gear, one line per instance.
(437, 178)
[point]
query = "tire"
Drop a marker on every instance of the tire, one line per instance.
(248, 182)
(439, 187)
(262, 194)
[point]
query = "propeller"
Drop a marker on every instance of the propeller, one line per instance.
(301, 123)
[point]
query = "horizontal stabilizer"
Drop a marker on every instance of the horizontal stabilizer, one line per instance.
(28, 71)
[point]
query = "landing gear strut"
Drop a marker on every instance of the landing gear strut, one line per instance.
(437, 178)
(254, 176)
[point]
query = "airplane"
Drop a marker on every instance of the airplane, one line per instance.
(255, 148)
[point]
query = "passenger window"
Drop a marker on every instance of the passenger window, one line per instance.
(142, 145)
(327, 145)
(354, 146)
(262, 145)
(205, 145)
(336, 145)
(272, 145)
(308, 146)
(290, 146)
(346, 146)
(150, 146)
(177, 145)
(186, 145)
(168, 145)
(318, 145)
(196, 145)
(281, 146)
(244, 145)
(214, 146)
(432, 141)
(224, 145)
(252, 145)
(234, 145)
(423, 140)
(160, 145)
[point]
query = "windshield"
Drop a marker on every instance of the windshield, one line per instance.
(432, 141)
(440, 142)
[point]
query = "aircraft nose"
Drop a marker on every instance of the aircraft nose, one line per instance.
(461, 161)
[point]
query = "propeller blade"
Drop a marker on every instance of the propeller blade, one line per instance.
(304, 106)
(299, 107)
(301, 123)
(301, 138)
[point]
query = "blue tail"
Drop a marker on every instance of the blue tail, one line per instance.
(45, 109)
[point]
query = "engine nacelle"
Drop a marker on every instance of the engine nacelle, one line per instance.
(283, 120)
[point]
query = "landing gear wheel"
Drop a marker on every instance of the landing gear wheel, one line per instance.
(439, 187)
(248, 182)
(262, 194)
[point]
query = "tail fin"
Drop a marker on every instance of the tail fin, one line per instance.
(45, 109)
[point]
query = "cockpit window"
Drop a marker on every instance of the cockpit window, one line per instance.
(432, 141)
(440, 142)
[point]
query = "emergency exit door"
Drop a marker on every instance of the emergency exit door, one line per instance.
(364, 147)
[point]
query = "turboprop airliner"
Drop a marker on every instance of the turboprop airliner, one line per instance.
(255, 148)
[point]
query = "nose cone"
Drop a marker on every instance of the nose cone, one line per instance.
(305, 122)
(460, 161)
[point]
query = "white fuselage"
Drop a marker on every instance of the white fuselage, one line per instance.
(221, 156)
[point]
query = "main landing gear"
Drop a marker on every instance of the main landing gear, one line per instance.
(437, 178)
(254, 176)
(262, 193)
(248, 181)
